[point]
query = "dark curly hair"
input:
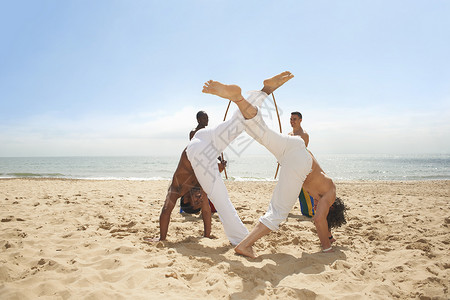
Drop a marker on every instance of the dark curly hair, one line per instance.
(336, 214)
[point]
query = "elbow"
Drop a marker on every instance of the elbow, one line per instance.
(165, 213)
(319, 219)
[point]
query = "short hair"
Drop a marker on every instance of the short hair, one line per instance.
(297, 114)
(201, 113)
(336, 214)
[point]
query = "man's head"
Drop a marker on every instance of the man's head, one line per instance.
(336, 214)
(296, 119)
(195, 197)
(202, 118)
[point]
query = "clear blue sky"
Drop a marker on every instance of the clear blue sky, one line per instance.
(125, 77)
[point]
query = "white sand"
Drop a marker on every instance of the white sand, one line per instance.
(79, 239)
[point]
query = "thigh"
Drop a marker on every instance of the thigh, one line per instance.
(287, 190)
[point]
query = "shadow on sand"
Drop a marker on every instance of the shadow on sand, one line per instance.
(275, 266)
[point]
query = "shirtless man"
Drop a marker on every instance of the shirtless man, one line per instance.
(297, 130)
(185, 201)
(296, 123)
(298, 168)
(198, 168)
(202, 120)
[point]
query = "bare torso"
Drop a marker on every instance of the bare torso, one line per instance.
(182, 183)
(184, 178)
(318, 184)
(301, 133)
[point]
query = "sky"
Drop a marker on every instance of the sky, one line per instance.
(114, 78)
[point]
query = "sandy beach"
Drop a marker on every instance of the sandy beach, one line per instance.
(82, 239)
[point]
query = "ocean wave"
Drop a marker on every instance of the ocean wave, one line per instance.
(237, 178)
(342, 167)
(32, 175)
(62, 176)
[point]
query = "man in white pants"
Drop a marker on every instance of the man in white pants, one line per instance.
(198, 168)
(298, 168)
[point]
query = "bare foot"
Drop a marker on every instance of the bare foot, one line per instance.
(230, 92)
(245, 251)
(276, 81)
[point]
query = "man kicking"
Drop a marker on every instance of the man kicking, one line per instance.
(298, 168)
(198, 167)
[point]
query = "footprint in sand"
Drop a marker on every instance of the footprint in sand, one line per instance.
(8, 219)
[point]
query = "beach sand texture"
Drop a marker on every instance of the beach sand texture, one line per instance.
(82, 239)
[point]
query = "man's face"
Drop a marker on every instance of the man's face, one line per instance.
(203, 120)
(295, 121)
(195, 199)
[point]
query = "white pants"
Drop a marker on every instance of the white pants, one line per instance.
(202, 151)
(295, 162)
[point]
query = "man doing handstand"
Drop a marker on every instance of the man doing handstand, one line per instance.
(298, 168)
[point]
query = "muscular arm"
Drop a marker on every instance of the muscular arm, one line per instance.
(206, 215)
(320, 218)
(183, 180)
(306, 139)
(164, 218)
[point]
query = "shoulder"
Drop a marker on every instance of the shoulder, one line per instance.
(192, 133)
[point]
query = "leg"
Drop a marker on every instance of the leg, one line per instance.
(234, 229)
(202, 152)
(271, 84)
(245, 247)
(233, 92)
(212, 183)
(294, 169)
(273, 141)
(207, 144)
(255, 128)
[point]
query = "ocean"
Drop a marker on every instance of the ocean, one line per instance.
(250, 168)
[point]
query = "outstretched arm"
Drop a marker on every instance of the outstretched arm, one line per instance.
(164, 218)
(320, 219)
(206, 215)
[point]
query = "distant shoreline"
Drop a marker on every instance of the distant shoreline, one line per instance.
(362, 181)
(247, 168)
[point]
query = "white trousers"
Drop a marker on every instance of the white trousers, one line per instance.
(202, 151)
(295, 162)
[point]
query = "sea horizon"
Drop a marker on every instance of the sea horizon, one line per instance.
(262, 167)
